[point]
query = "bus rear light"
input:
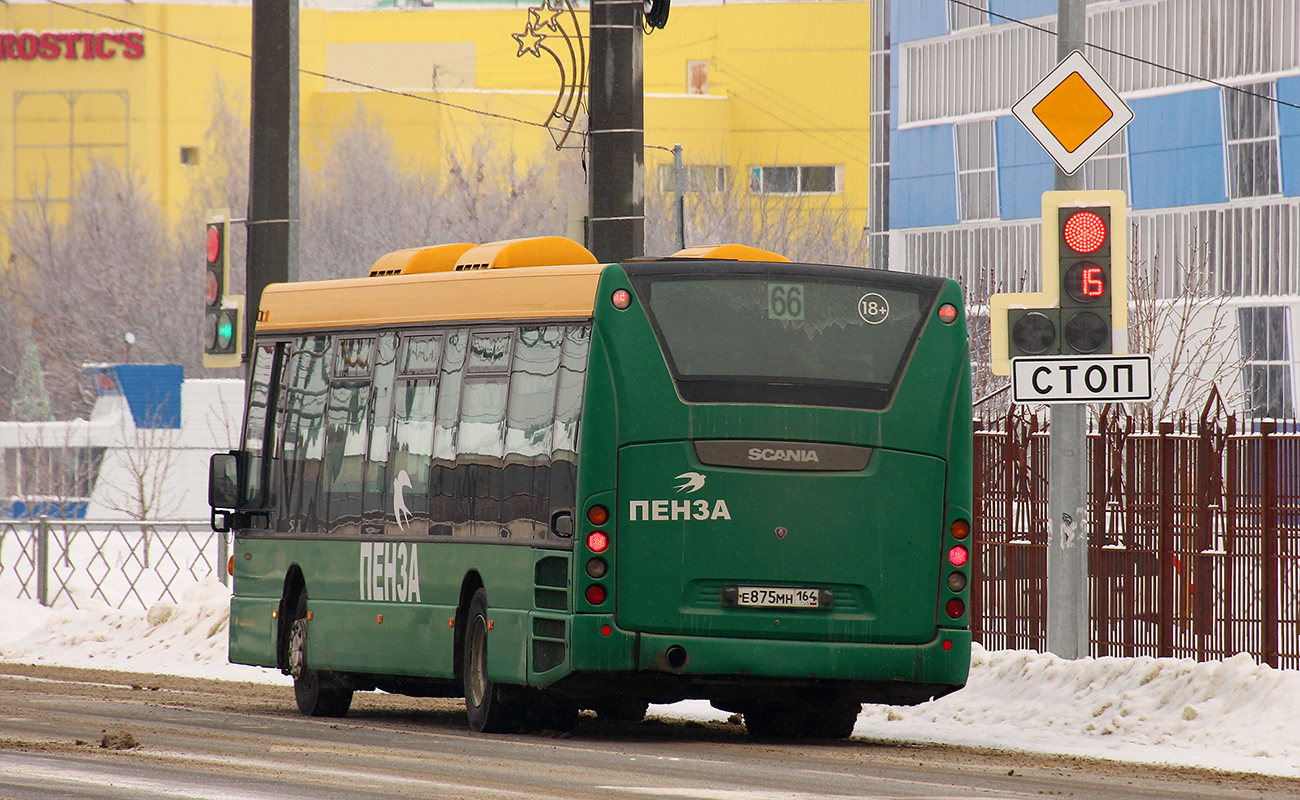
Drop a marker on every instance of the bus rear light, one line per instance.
(947, 313)
(960, 529)
(597, 567)
(956, 582)
(595, 594)
(958, 556)
(598, 515)
(621, 299)
(955, 608)
(947, 644)
(606, 630)
(230, 565)
(597, 541)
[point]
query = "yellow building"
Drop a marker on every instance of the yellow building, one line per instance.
(748, 89)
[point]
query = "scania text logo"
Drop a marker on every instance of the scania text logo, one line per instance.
(680, 510)
(771, 454)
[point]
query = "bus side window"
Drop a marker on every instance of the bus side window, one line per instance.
(530, 420)
(480, 442)
(410, 455)
(381, 412)
(306, 388)
(443, 506)
(346, 435)
(568, 413)
(256, 427)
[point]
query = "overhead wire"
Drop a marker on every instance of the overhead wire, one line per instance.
(1128, 56)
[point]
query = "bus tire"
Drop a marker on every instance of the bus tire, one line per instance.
(621, 709)
(832, 720)
(319, 693)
(484, 706)
(775, 721)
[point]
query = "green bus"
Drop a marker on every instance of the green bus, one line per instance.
(508, 473)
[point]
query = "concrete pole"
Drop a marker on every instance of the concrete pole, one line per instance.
(273, 155)
(616, 131)
(1068, 595)
(679, 196)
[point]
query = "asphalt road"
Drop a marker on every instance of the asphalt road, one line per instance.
(212, 740)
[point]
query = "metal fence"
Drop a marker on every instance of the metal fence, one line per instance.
(122, 564)
(1194, 534)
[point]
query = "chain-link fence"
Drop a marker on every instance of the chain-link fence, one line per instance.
(123, 564)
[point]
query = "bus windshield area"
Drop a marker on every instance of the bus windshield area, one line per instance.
(784, 333)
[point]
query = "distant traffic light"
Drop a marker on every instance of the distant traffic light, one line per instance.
(222, 332)
(1083, 307)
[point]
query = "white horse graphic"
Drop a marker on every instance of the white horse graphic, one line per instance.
(400, 511)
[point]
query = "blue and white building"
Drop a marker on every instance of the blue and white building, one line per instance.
(1212, 173)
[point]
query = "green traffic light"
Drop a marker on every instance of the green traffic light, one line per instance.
(225, 330)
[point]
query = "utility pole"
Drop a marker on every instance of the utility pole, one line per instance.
(616, 131)
(679, 197)
(1068, 596)
(273, 155)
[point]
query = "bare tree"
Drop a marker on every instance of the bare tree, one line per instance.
(811, 228)
(1187, 329)
(135, 477)
(90, 273)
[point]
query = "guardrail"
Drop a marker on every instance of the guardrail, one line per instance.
(123, 564)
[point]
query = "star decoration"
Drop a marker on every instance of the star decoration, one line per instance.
(530, 41)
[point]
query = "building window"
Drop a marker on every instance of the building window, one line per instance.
(796, 180)
(1250, 132)
(977, 170)
(1108, 167)
(1266, 374)
(190, 156)
(967, 14)
(699, 179)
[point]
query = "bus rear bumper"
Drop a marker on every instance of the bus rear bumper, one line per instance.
(701, 666)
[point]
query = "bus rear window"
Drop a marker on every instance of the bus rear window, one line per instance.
(785, 333)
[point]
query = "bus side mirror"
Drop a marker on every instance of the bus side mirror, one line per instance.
(562, 523)
(224, 481)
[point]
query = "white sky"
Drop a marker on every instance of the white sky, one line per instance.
(1234, 714)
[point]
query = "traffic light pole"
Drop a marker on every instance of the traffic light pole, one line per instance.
(273, 156)
(1068, 595)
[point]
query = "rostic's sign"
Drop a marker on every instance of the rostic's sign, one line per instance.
(71, 45)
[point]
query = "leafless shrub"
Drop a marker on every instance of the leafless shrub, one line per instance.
(1186, 328)
(811, 228)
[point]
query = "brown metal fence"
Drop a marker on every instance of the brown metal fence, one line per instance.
(1194, 536)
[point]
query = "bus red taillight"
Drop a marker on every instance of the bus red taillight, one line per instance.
(947, 313)
(230, 566)
(595, 594)
(955, 608)
(958, 556)
(597, 541)
(621, 299)
(598, 515)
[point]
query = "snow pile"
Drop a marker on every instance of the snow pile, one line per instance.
(1234, 714)
(186, 638)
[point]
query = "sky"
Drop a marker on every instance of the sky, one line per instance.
(1235, 715)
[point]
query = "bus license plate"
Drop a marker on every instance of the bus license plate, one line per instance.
(768, 597)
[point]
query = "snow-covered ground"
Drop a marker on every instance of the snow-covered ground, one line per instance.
(1234, 715)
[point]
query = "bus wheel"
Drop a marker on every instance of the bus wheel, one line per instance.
(621, 709)
(486, 710)
(832, 720)
(775, 721)
(320, 693)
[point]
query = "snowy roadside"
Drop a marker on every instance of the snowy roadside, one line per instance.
(1233, 715)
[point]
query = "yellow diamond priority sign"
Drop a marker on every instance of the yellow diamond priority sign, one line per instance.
(1072, 112)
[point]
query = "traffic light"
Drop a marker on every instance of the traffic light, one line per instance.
(1083, 308)
(222, 332)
